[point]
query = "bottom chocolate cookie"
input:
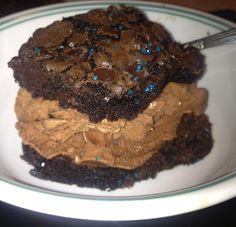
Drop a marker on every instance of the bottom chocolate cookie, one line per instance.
(193, 142)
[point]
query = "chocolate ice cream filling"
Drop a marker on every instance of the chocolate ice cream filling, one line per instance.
(52, 130)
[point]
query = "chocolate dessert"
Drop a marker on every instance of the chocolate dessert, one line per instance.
(108, 64)
(108, 98)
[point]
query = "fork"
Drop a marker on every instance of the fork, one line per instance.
(221, 38)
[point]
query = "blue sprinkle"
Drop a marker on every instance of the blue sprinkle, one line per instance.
(37, 50)
(33, 172)
(61, 46)
(91, 51)
(98, 158)
(136, 78)
(139, 67)
(130, 92)
(145, 51)
(151, 86)
(158, 49)
(148, 51)
(146, 90)
(95, 77)
(120, 27)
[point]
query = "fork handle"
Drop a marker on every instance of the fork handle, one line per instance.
(218, 39)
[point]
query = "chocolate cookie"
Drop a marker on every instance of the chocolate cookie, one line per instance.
(106, 63)
(192, 143)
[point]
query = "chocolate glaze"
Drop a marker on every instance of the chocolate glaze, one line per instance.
(103, 61)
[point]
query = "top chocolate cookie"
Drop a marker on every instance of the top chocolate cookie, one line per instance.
(106, 63)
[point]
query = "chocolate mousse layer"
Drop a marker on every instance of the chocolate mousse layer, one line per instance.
(53, 131)
(109, 64)
(193, 141)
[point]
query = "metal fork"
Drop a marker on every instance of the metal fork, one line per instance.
(221, 38)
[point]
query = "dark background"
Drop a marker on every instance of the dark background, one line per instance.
(223, 214)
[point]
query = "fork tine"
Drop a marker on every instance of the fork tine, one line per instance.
(218, 43)
(221, 35)
(214, 40)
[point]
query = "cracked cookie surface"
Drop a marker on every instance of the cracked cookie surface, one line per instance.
(105, 63)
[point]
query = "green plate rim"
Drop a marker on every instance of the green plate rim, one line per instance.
(32, 14)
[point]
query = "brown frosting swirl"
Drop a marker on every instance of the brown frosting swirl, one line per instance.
(52, 130)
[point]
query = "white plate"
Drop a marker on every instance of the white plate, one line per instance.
(175, 191)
